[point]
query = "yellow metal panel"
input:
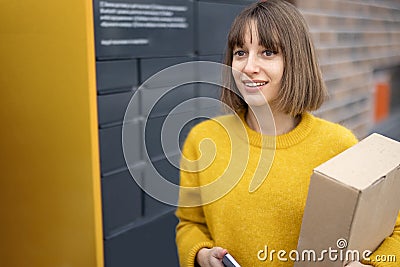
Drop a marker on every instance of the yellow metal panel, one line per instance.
(50, 199)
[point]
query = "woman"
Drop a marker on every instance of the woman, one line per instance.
(273, 64)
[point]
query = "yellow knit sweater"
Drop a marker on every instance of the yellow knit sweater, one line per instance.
(246, 222)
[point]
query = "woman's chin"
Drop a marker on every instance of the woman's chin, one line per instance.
(255, 100)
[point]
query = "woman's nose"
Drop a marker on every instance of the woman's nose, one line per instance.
(252, 65)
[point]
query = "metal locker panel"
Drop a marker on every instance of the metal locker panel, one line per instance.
(240, 2)
(151, 66)
(161, 101)
(112, 107)
(151, 243)
(116, 75)
(163, 135)
(138, 29)
(214, 58)
(159, 169)
(111, 153)
(122, 201)
(213, 23)
(208, 90)
(153, 147)
(210, 94)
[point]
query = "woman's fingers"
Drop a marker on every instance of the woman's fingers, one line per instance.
(218, 252)
(211, 257)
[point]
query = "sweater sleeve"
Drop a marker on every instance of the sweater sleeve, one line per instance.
(192, 232)
(191, 235)
(388, 253)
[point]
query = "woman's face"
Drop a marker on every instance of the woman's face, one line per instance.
(258, 70)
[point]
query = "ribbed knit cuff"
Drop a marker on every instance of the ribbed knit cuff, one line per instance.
(193, 252)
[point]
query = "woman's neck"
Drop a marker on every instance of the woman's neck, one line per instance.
(260, 120)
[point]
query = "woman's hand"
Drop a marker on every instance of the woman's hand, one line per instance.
(211, 257)
(357, 264)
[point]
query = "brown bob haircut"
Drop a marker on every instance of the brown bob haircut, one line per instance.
(280, 27)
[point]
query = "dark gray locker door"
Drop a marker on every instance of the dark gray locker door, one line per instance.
(162, 101)
(240, 2)
(111, 151)
(174, 132)
(116, 76)
(206, 89)
(122, 201)
(152, 206)
(112, 108)
(214, 22)
(150, 66)
(151, 243)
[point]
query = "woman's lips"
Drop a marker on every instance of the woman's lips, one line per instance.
(253, 86)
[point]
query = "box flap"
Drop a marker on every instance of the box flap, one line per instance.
(364, 163)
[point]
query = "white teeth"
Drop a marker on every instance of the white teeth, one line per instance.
(251, 84)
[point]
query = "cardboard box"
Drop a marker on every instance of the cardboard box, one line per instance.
(352, 204)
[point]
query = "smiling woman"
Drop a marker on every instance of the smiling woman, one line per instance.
(279, 32)
(259, 69)
(274, 68)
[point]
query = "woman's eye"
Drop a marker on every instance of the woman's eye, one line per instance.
(239, 53)
(269, 53)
